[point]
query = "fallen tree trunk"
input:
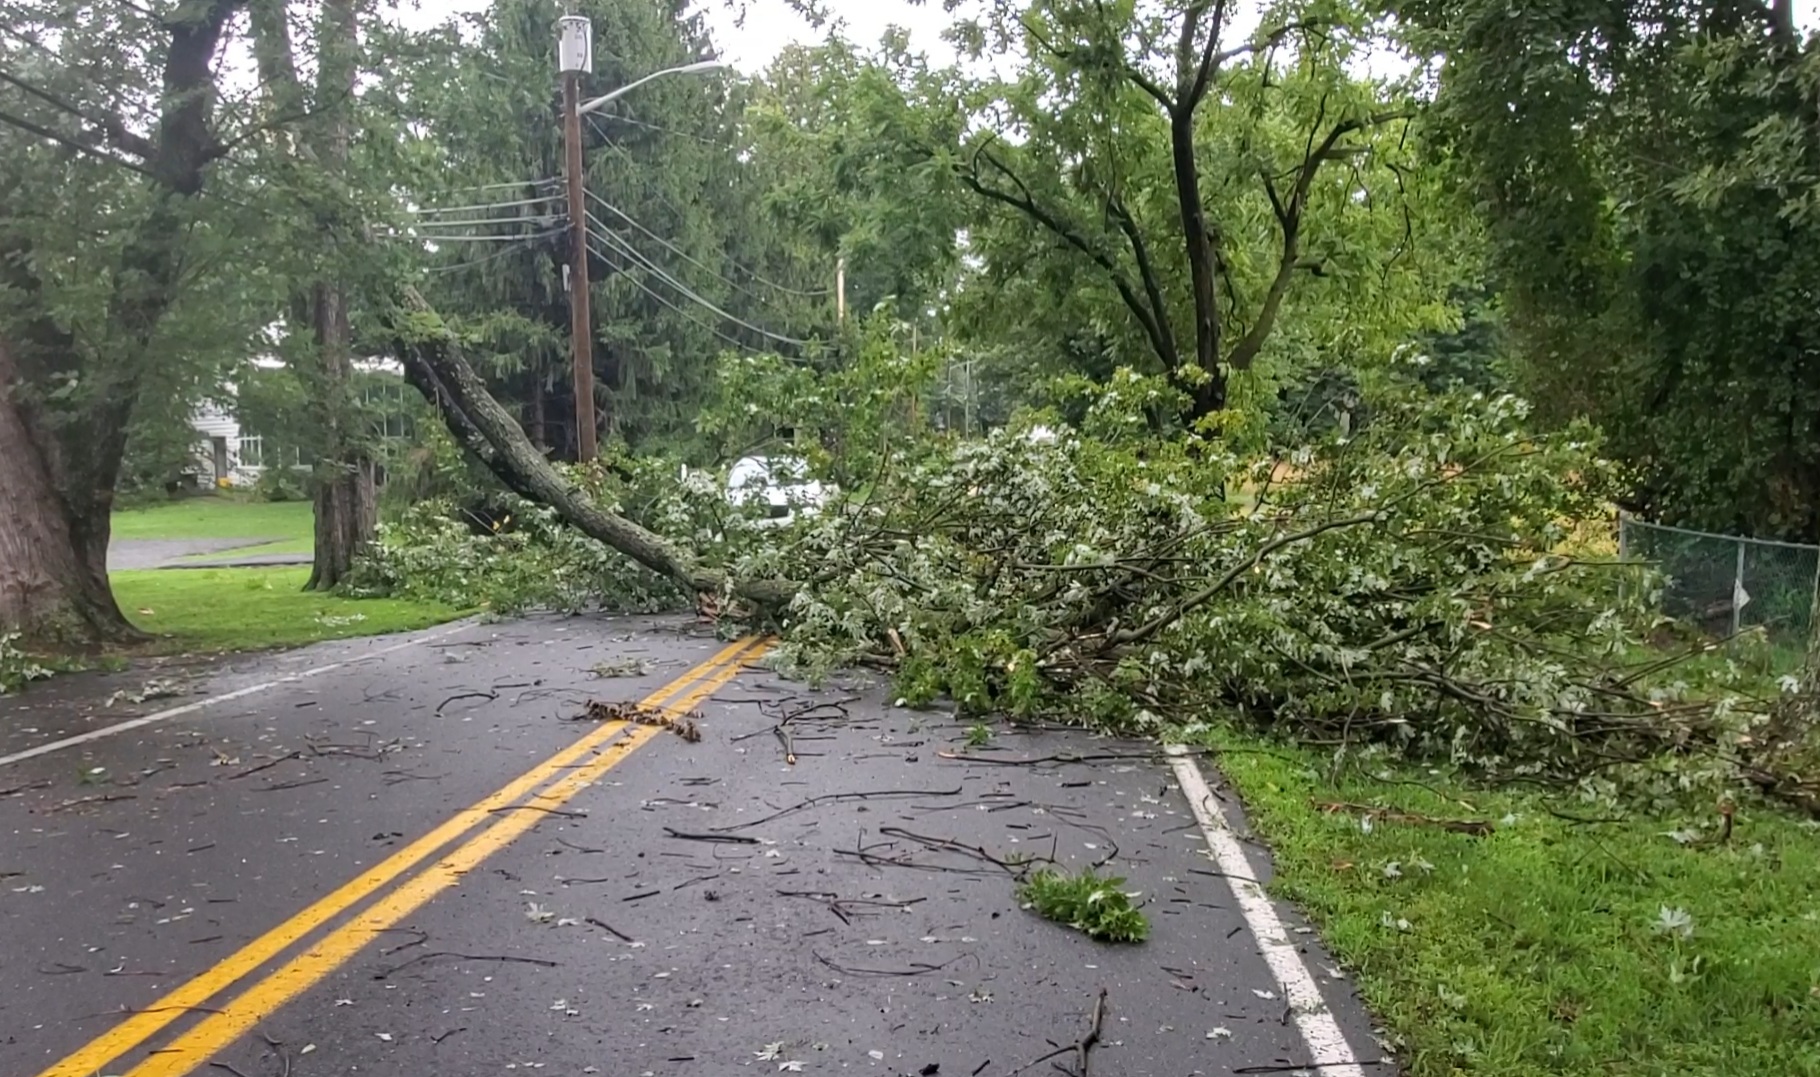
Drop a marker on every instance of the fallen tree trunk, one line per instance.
(433, 363)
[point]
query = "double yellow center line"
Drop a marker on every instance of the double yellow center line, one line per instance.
(550, 784)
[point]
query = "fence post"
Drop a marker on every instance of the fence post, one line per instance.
(1738, 594)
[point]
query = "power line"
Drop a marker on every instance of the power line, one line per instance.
(482, 206)
(728, 146)
(478, 239)
(689, 293)
(818, 293)
(467, 221)
(483, 260)
(679, 252)
(672, 304)
(549, 181)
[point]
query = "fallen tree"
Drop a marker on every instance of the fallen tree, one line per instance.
(433, 364)
(1416, 589)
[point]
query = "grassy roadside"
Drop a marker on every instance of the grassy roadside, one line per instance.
(235, 609)
(1554, 946)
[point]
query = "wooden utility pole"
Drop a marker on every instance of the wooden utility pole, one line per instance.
(575, 55)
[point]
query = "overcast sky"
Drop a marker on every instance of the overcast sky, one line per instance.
(770, 25)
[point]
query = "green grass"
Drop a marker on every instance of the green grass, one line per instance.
(216, 517)
(233, 609)
(1552, 946)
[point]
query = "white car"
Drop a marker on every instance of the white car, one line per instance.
(780, 483)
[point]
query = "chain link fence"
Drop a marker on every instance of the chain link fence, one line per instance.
(1726, 584)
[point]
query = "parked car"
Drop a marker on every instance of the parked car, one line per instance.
(780, 483)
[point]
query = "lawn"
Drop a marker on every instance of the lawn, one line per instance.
(217, 517)
(234, 609)
(1569, 942)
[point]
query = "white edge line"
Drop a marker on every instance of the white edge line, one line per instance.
(226, 697)
(1327, 1046)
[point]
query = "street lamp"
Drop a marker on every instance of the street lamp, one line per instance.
(686, 69)
(574, 55)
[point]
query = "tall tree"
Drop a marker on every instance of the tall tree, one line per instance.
(105, 143)
(1651, 171)
(684, 268)
(1200, 182)
(334, 236)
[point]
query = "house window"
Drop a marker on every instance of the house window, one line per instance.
(252, 451)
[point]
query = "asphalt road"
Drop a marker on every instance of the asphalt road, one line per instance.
(325, 867)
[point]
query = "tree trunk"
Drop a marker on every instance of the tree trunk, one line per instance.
(345, 518)
(344, 497)
(538, 441)
(53, 577)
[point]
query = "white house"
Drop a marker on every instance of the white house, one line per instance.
(227, 455)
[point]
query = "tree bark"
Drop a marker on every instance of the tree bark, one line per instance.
(344, 496)
(53, 582)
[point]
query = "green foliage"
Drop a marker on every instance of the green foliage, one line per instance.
(17, 669)
(527, 560)
(1417, 584)
(508, 555)
(1087, 903)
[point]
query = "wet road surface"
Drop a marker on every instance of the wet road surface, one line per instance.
(404, 856)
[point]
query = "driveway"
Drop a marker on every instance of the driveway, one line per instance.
(126, 554)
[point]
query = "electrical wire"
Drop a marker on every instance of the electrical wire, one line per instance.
(479, 239)
(689, 293)
(548, 181)
(685, 256)
(486, 206)
(543, 218)
(728, 146)
(494, 257)
(818, 293)
(672, 304)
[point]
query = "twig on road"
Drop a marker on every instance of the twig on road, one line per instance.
(99, 798)
(1081, 1048)
(285, 758)
(298, 784)
(566, 814)
(917, 968)
(831, 798)
(609, 929)
(420, 958)
(725, 839)
(488, 696)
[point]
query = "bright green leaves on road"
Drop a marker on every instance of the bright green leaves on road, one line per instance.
(1090, 904)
